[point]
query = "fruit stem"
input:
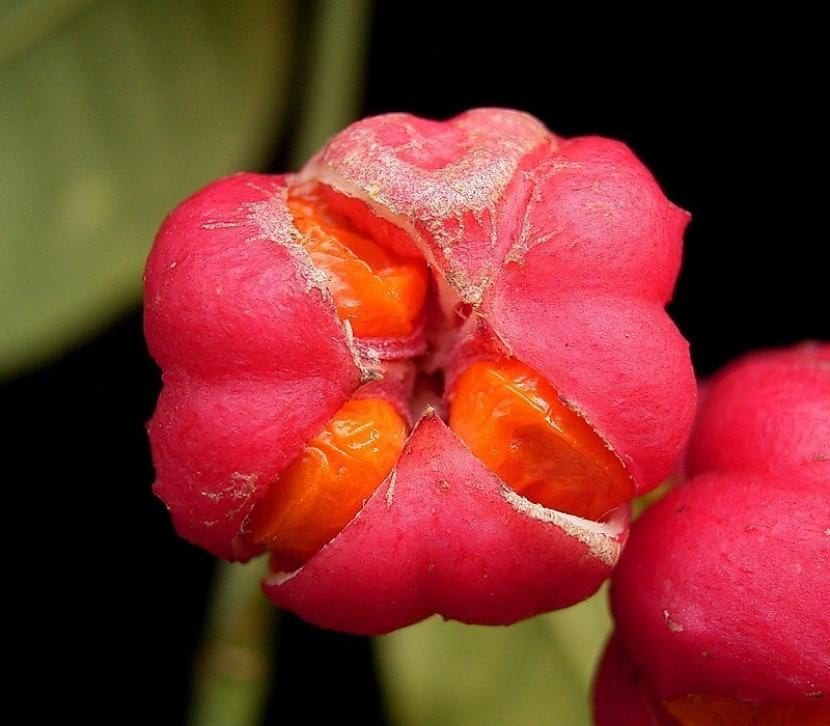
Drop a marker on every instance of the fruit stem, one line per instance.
(233, 667)
(333, 89)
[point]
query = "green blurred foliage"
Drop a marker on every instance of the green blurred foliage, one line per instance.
(533, 673)
(111, 112)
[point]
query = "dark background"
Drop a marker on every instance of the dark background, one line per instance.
(108, 603)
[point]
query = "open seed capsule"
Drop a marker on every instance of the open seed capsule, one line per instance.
(426, 374)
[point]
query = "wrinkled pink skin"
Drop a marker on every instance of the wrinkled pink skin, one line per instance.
(723, 588)
(564, 251)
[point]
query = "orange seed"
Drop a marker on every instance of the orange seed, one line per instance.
(326, 485)
(381, 294)
(514, 421)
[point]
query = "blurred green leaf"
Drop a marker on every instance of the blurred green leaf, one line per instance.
(112, 111)
(529, 674)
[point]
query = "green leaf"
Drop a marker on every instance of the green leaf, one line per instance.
(535, 672)
(111, 112)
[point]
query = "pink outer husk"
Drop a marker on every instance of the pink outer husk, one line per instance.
(443, 536)
(723, 589)
(564, 253)
(225, 299)
(620, 695)
(620, 362)
(767, 411)
(493, 186)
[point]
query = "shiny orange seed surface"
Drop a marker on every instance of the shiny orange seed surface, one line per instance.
(513, 420)
(698, 710)
(380, 293)
(325, 486)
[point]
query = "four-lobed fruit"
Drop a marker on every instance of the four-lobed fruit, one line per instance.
(427, 372)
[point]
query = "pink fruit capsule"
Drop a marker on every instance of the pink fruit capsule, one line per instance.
(332, 341)
(720, 599)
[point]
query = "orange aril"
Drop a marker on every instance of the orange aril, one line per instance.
(380, 293)
(322, 490)
(514, 421)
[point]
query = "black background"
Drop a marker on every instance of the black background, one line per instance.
(106, 601)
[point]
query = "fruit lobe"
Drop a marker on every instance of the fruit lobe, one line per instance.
(785, 424)
(233, 412)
